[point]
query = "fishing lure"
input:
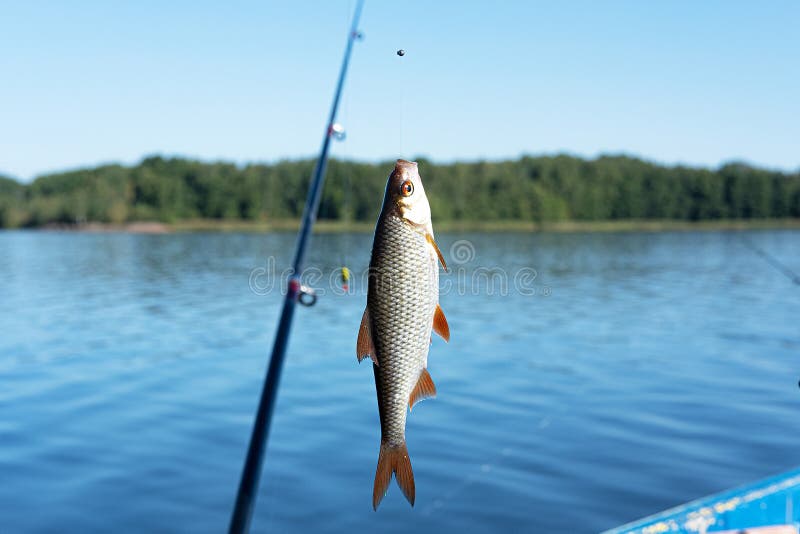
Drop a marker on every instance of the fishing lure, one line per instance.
(344, 278)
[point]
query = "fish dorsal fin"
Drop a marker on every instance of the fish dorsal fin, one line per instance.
(440, 325)
(423, 390)
(365, 346)
(430, 240)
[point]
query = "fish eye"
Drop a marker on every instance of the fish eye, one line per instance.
(407, 188)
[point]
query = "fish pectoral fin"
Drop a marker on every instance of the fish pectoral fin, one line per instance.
(440, 325)
(364, 344)
(423, 390)
(430, 240)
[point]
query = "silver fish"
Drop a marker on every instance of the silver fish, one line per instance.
(402, 310)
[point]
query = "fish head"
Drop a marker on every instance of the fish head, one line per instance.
(406, 195)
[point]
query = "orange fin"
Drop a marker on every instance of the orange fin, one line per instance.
(440, 325)
(393, 460)
(430, 240)
(364, 345)
(423, 390)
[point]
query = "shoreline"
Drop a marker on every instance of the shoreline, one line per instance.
(328, 226)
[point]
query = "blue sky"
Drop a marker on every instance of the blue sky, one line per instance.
(691, 82)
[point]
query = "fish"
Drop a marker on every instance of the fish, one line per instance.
(401, 312)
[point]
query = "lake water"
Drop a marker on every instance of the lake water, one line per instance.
(615, 375)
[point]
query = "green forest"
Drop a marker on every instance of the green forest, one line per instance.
(537, 189)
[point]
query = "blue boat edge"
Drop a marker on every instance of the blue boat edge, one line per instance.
(770, 502)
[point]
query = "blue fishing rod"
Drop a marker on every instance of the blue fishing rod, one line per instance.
(296, 292)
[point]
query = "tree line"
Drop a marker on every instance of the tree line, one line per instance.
(538, 189)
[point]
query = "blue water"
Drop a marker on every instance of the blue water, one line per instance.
(615, 376)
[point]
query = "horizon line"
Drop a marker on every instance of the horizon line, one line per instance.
(242, 163)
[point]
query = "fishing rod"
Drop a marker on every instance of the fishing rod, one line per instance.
(296, 292)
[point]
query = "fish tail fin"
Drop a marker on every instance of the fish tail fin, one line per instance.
(393, 459)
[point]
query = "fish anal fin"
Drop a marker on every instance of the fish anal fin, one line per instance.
(440, 325)
(365, 346)
(423, 390)
(393, 459)
(430, 240)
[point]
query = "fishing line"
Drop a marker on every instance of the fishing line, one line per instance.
(343, 273)
(470, 479)
(402, 77)
(345, 216)
(772, 260)
(483, 470)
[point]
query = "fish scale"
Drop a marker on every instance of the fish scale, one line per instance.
(403, 293)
